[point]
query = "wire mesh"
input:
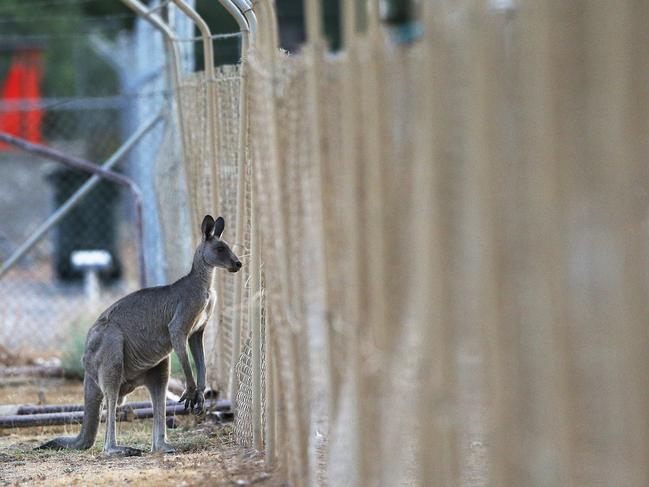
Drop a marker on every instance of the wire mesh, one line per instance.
(57, 89)
(42, 299)
(438, 245)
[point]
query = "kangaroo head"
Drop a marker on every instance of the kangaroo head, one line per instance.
(216, 252)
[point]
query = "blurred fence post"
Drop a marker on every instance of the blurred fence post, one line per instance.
(147, 61)
(138, 61)
(477, 189)
(241, 180)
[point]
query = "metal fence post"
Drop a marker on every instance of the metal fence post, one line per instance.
(255, 323)
(241, 154)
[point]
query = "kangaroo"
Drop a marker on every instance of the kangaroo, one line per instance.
(130, 343)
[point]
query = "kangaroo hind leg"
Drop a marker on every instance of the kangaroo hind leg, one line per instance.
(110, 379)
(156, 382)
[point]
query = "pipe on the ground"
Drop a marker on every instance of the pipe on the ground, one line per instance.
(221, 405)
(124, 413)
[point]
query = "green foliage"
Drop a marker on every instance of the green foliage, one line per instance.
(23, 26)
(60, 30)
(73, 348)
(176, 368)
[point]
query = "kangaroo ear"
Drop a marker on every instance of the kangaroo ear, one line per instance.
(219, 225)
(207, 227)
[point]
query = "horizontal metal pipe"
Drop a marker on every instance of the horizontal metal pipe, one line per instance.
(76, 417)
(33, 371)
(220, 405)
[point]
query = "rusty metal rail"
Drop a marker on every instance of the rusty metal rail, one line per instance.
(31, 416)
(99, 172)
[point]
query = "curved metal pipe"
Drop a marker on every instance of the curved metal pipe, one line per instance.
(245, 6)
(248, 37)
(206, 35)
(242, 22)
(169, 35)
(210, 89)
(210, 75)
(103, 171)
(269, 21)
(253, 305)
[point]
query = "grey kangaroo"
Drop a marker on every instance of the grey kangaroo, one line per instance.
(130, 343)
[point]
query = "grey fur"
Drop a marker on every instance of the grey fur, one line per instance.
(130, 343)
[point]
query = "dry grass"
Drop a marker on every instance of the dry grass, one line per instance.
(207, 453)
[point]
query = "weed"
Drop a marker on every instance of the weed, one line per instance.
(73, 348)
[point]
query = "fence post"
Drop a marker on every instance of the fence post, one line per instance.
(255, 321)
(241, 188)
(318, 295)
(270, 437)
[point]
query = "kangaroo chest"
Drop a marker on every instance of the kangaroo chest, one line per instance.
(201, 314)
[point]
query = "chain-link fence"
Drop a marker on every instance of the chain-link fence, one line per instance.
(445, 244)
(451, 235)
(43, 298)
(56, 89)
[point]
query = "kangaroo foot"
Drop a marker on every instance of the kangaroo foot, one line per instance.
(55, 444)
(163, 448)
(122, 451)
(64, 443)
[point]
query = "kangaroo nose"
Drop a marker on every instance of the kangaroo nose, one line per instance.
(238, 265)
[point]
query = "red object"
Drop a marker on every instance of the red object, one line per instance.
(22, 86)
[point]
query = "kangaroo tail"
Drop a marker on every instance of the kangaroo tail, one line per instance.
(93, 398)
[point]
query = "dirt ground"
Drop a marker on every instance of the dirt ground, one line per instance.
(207, 453)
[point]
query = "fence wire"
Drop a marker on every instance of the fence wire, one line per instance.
(42, 299)
(452, 250)
(452, 247)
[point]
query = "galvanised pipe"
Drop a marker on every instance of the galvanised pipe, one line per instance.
(208, 60)
(253, 305)
(240, 18)
(76, 417)
(245, 6)
(241, 156)
(28, 409)
(206, 35)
